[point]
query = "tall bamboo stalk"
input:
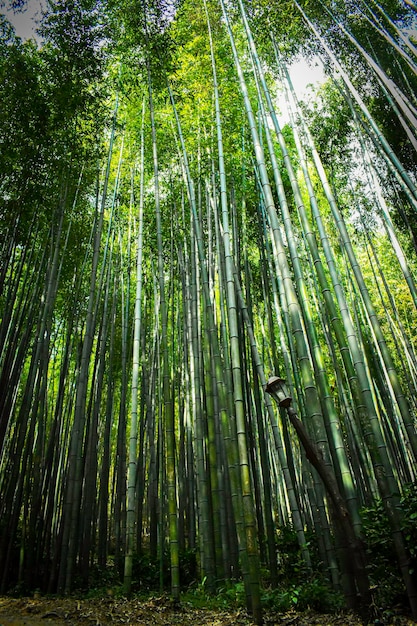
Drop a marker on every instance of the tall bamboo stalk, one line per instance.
(133, 435)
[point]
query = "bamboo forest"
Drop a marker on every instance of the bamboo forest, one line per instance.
(208, 296)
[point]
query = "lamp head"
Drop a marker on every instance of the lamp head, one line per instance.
(277, 388)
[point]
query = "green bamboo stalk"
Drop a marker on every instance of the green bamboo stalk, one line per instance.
(133, 435)
(312, 402)
(226, 414)
(399, 97)
(75, 459)
(248, 511)
(167, 402)
(388, 151)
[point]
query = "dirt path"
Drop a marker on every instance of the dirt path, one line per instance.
(157, 611)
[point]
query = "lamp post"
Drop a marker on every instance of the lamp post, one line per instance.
(278, 389)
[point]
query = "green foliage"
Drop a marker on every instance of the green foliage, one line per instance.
(141, 37)
(297, 587)
(354, 20)
(409, 522)
(103, 581)
(328, 117)
(384, 574)
(313, 593)
(51, 117)
(188, 567)
(283, 21)
(291, 564)
(22, 122)
(76, 28)
(146, 572)
(230, 594)
(307, 592)
(146, 575)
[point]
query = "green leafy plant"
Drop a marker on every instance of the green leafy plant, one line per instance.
(299, 588)
(231, 594)
(188, 567)
(384, 574)
(291, 563)
(146, 572)
(409, 526)
(314, 593)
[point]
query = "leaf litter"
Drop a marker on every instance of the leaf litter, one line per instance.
(155, 611)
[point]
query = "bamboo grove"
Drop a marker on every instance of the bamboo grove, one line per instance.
(176, 229)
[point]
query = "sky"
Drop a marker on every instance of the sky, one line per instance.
(25, 21)
(303, 74)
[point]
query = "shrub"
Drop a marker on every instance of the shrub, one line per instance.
(384, 574)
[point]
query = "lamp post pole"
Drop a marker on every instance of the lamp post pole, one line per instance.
(277, 388)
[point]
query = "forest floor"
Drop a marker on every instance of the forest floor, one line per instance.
(155, 611)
